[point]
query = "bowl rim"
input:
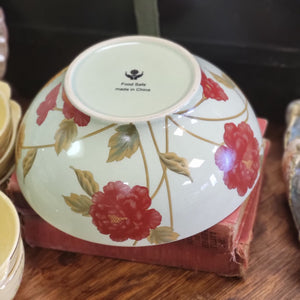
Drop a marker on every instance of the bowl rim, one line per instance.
(7, 123)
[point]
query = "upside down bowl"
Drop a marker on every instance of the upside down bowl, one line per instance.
(137, 143)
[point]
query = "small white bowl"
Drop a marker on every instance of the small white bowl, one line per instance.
(138, 142)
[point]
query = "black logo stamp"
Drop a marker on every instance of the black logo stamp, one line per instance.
(134, 74)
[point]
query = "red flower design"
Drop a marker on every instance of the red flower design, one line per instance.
(211, 89)
(70, 112)
(239, 159)
(47, 105)
(122, 212)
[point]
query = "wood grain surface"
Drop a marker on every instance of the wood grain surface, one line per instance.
(274, 271)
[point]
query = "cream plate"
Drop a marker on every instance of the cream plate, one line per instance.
(138, 143)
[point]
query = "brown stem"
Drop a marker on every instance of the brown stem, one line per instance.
(188, 109)
(78, 139)
(38, 147)
(96, 132)
(165, 176)
(169, 199)
(159, 186)
(220, 119)
(153, 137)
(247, 116)
(193, 134)
(167, 134)
(145, 165)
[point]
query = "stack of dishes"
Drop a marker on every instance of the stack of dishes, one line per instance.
(12, 255)
(10, 114)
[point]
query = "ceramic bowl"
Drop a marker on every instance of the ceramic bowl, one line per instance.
(7, 159)
(6, 127)
(11, 249)
(138, 142)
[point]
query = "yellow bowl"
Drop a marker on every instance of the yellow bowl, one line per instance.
(11, 249)
(5, 117)
(7, 160)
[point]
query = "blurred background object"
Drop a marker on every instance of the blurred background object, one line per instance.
(291, 160)
(3, 44)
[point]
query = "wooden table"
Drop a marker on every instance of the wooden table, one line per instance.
(274, 271)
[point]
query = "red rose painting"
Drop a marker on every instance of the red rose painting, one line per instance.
(70, 112)
(212, 89)
(239, 157)
(122, 212)
(47, 105)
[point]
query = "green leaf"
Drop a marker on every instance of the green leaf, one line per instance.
(65, 135)
(224, 79)
(175, 163)
(79, 203)
(124, 143)
(87, 181)
(28, 161)
(162, 234)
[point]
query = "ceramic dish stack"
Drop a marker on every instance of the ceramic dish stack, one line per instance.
(12, 255)
(10, 115)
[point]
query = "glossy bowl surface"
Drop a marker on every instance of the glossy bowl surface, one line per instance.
(126, 177)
